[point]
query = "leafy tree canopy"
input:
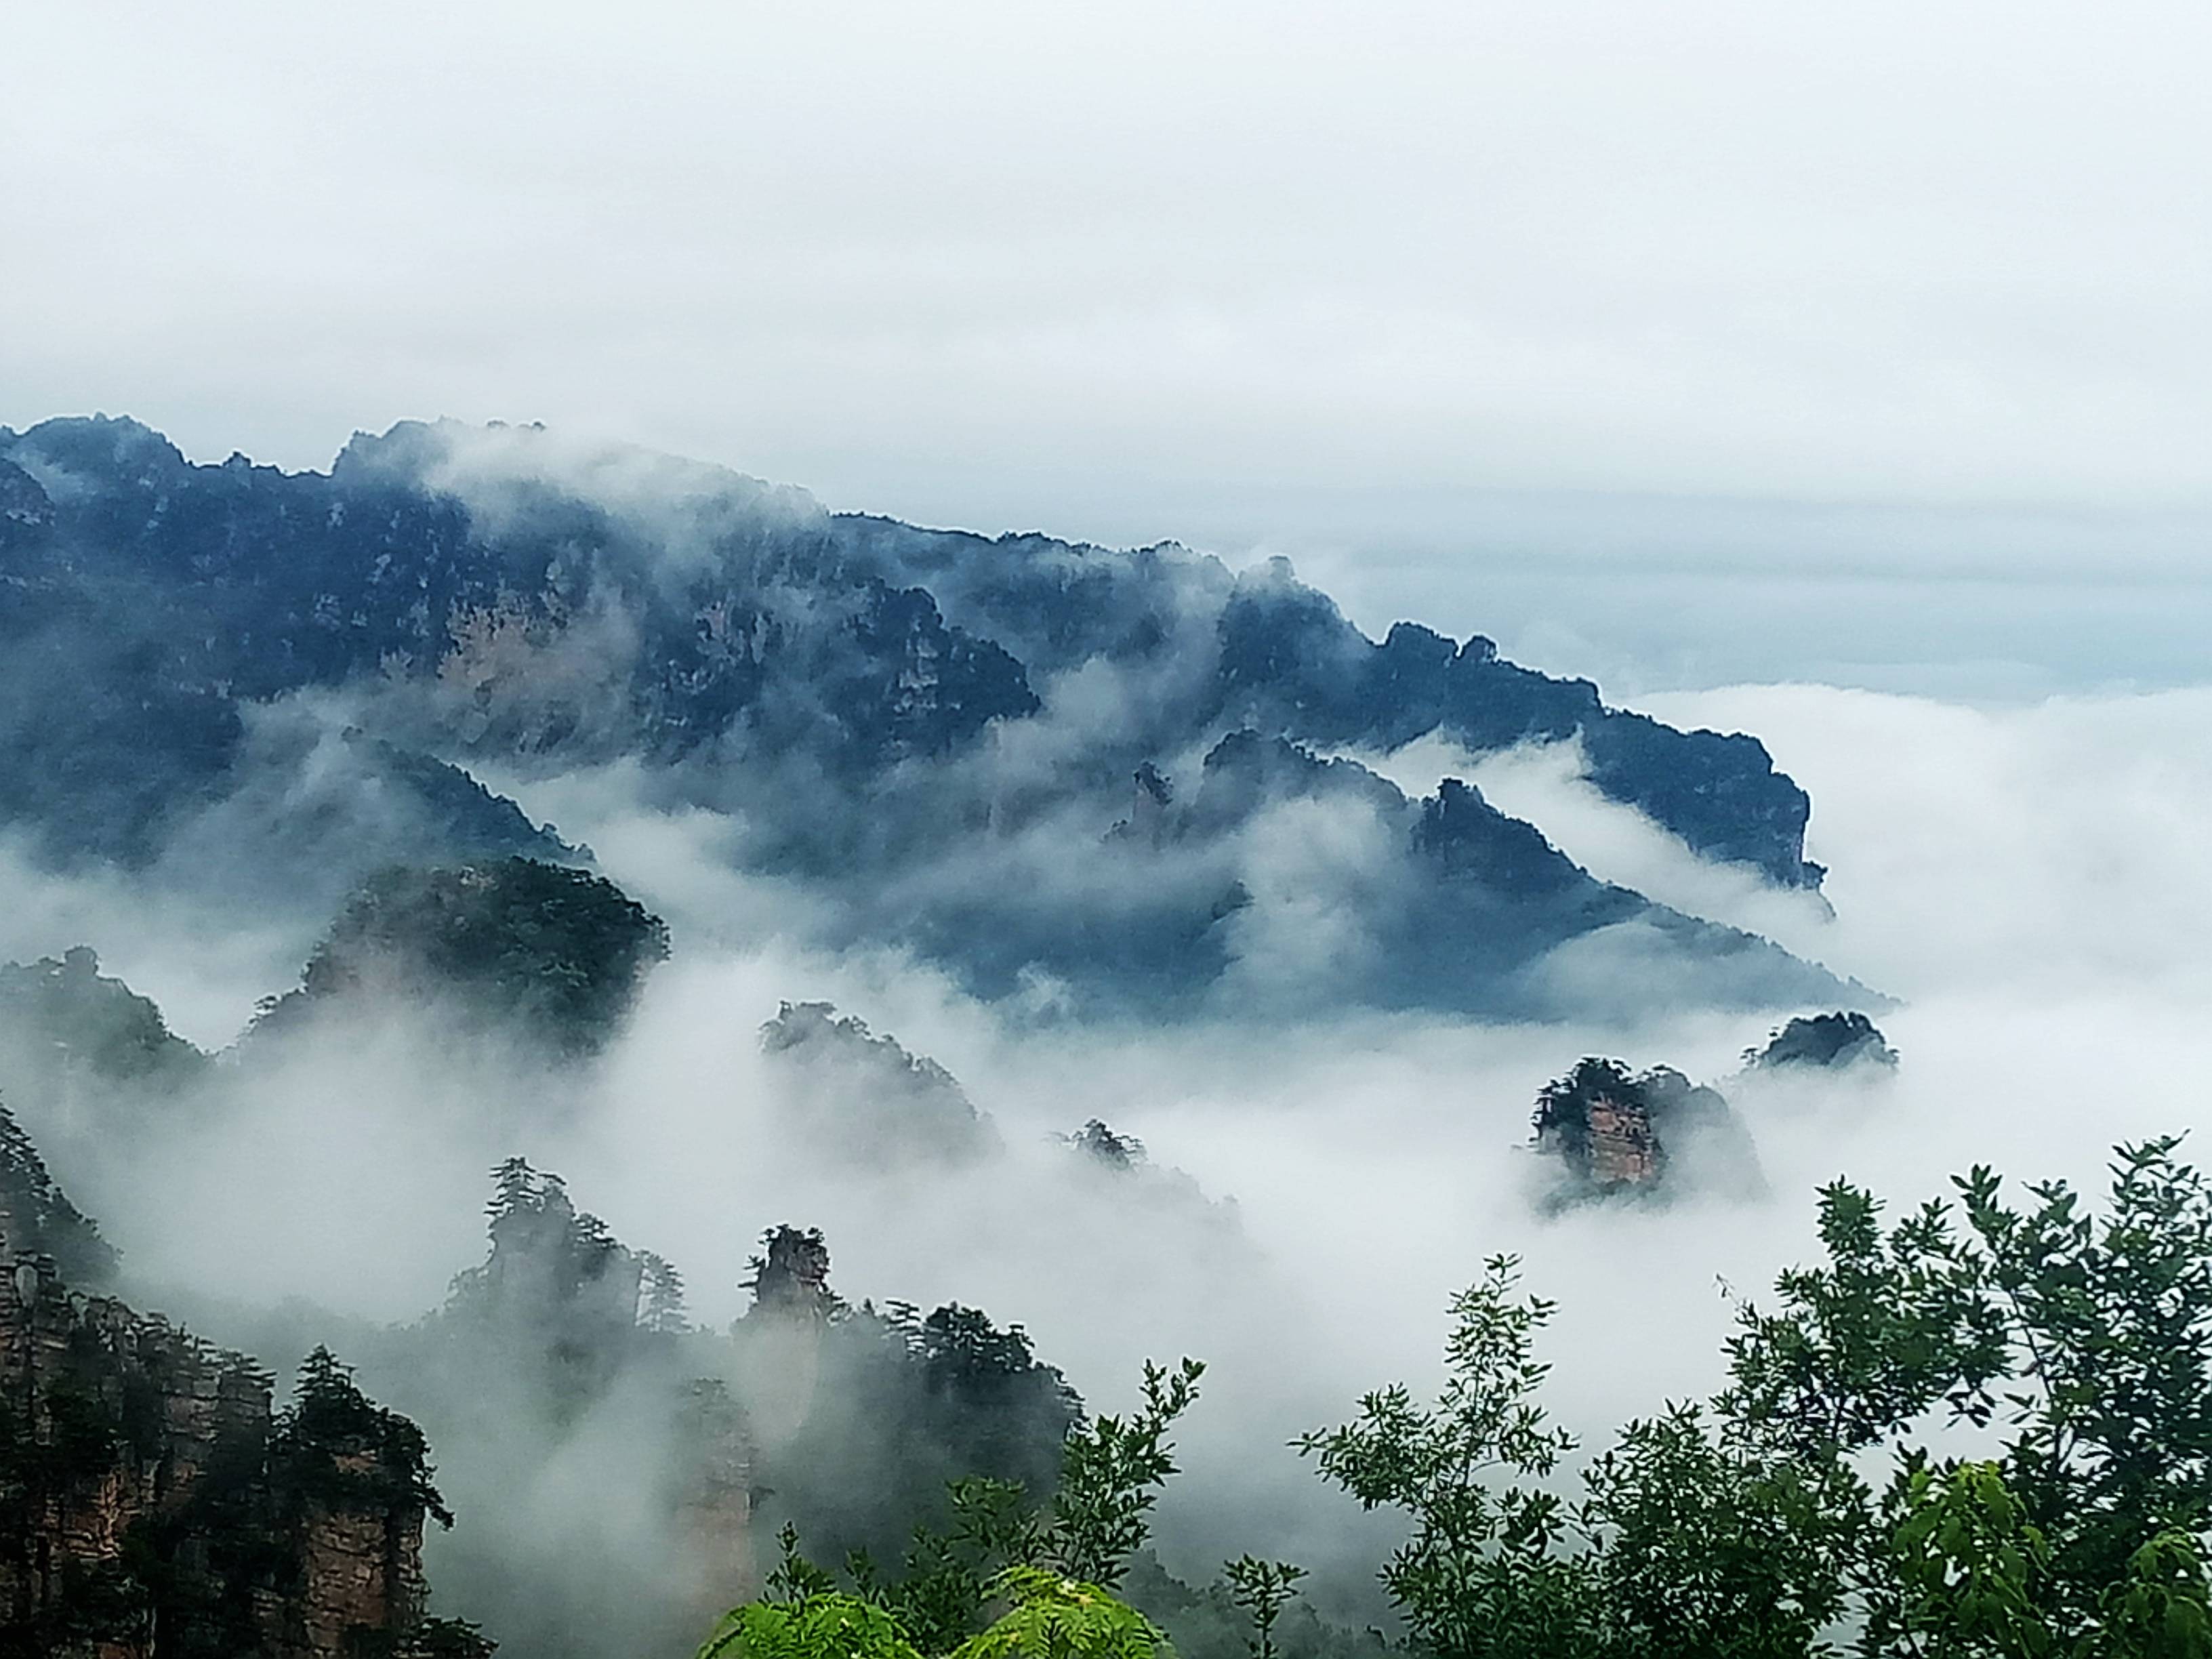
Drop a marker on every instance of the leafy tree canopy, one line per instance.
(1047, 1617)
(2073, 1348)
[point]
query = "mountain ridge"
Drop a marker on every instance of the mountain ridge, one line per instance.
(934, 729)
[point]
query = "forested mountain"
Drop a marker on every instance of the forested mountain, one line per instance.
(1086, 782)
(268, 677)
(556, 954)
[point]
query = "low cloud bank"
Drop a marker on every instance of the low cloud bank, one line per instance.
(2032, 883)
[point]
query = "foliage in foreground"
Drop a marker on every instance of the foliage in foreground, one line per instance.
(1048, 1570)
(2061, 1359)
(1047, 1617)
(998, 1551)
(1801, 1512)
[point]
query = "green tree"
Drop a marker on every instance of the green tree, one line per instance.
(2159, 1610)
(1968, 1563)
(2108, 1325)
(1001, 1543)
(826, 1624)
(1111, 1472)
(1047, 1617)
(2076, 1346)
(1893, 1324)
(1701, 1547)
(2082, 1340)
(1052, 1617)
(1263, 1590)
(1483, 1573)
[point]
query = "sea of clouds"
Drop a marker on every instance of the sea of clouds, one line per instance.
(2030, 884)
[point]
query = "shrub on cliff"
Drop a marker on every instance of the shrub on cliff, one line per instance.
(336, 1446)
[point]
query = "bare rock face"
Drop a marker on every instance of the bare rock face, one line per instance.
(154, 1503)
(1623, 1149)
(715, 1503)
(1596, 1121)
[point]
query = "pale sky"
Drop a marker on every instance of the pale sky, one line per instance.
(1359, 280)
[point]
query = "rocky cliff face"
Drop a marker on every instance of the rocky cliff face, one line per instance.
(153, 1505)
(714, 1502)
(1622, 1148)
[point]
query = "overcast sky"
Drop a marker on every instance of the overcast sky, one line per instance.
(1436, 296)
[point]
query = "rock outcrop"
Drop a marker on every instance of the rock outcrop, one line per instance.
(607, 1468)
(62, 1020)
(865, 1414)
(1654, 1132)
(1105, 1149)
(855, 1096)
(1621, 1147)
(1824, 1042)
(714, 1500)
(790, 1278)
(154, 1503)
(555, 955)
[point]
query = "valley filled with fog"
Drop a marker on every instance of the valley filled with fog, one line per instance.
(2024, 886)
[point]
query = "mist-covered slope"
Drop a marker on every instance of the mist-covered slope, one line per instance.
(1093, 780)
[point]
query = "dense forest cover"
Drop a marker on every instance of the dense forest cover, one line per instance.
(554, 953)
